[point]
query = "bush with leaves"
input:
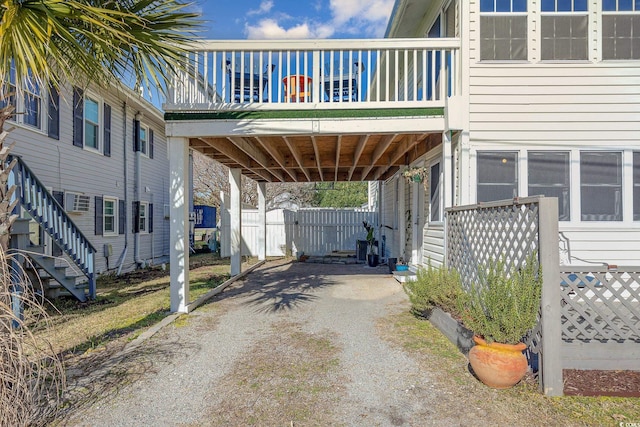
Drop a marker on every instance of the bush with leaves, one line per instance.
(434, 287)
(503, 306)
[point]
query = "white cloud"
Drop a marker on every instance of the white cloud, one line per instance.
(364, 18)
(265, 7)
(270, 29)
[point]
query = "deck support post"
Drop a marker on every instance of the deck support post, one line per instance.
(262, 221)
(235, 211)
(179, 223)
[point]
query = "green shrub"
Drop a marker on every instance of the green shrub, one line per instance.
(503, 307)
(434, 287)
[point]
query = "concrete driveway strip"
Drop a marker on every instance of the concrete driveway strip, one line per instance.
(290, 344)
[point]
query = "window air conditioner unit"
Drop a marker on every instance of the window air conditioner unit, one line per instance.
(74, 202)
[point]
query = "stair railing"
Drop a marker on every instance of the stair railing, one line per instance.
(47, 212)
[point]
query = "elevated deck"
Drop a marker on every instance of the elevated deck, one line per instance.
(316, 110)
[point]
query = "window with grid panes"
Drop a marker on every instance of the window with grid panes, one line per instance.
(503, 30)
(620, 29)
(564, 29)
(601, 186)
(548, 175)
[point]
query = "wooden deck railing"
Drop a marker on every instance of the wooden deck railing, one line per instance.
(292, 74)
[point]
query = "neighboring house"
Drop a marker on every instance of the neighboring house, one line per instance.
(102, 155)
(549, 105)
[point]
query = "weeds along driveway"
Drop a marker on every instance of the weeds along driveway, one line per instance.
(291, 344)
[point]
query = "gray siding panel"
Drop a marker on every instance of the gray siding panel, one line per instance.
(62, 166)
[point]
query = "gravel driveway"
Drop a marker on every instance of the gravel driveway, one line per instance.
(291, 344)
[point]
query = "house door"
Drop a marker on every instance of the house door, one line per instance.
(418, 209)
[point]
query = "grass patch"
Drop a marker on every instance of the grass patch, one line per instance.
(522, 402)
(290, 378)
(126, 305)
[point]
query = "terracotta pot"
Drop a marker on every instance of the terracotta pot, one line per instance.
(498, 365)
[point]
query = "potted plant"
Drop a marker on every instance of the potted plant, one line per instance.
(372, 256)
(501, 309)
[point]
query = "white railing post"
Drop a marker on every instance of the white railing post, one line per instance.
(315, 97)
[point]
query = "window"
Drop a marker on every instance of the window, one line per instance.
(434, 193)
(142, 217)
(110, 216)
(564, 29)
(636, 186)
(621, 29)
(91, 122)
(549, 176)
(601, 186)
(503, 30)
(497, 175)
(144, 145)
(30, 102)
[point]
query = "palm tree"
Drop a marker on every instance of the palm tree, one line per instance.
(51, 43)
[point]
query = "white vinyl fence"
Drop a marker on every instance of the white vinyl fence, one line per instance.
(312, 231)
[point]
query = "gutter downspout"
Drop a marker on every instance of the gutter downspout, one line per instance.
(137, 179)
(123, 255)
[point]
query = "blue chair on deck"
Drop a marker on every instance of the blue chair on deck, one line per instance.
(349, 82)
(246, 85)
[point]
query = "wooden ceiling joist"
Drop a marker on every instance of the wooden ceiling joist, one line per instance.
(229, 149)
(257, 155)
(296, 155)
(277, 156)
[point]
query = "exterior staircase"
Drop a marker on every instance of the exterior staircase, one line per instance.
(52, 218)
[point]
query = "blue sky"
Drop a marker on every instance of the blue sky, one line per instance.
(291, 19)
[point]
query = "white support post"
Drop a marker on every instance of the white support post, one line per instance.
(402, 219)
(235, 223)
(179, 224)
(447, 168)
(262, 221)
(551, 360)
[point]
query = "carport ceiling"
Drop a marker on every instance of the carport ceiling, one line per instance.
(314, 158)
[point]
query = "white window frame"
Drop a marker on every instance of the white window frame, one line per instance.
(571, 213)
(496, 14)
(143, 219)
(115, 215)
(517, 176)
(621, 185)
(99, 125)
(432, 164)
(144, 142)
(556, 13)
(18, 101)
(608, 13)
